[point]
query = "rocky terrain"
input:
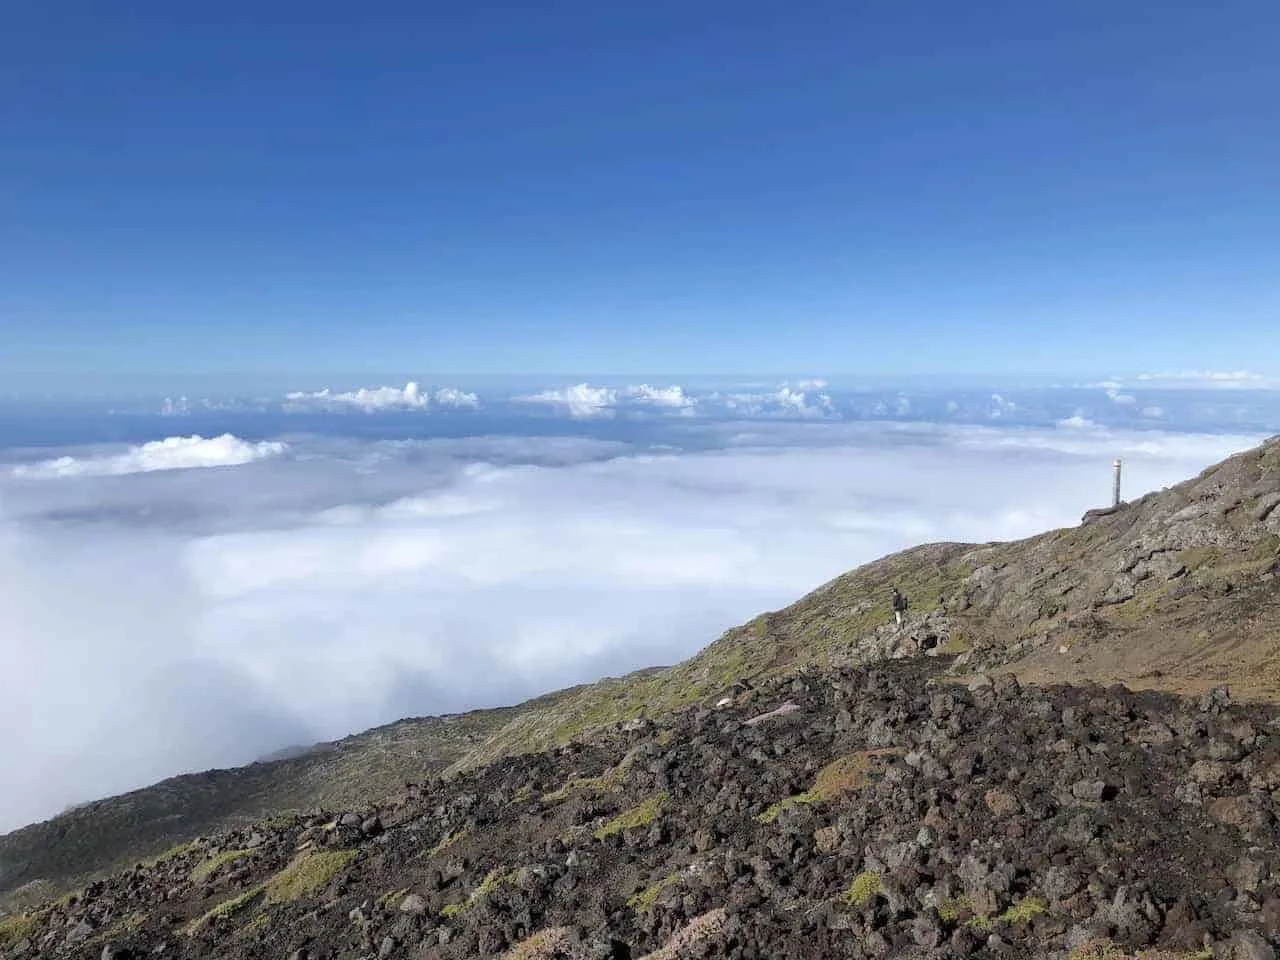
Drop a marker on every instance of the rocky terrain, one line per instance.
(908, 793)
(868, 812)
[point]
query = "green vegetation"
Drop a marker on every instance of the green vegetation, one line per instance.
(492, 881)
(306, 874)
(207, 868)
(866, 886)
(1023, 911)
(177, 850)
(391, 899)
(837, 779)
(228, 908)
(612, 778)
(15, 930)
(255, 927)
(284, 822)
(644, 901)
(636, 817)
(956, 644)
(543, 945)
(448, 840)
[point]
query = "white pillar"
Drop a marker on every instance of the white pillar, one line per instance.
(1115, 490)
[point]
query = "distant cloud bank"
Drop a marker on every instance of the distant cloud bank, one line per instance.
(171, 453)
(1193, 380)
(409, 397)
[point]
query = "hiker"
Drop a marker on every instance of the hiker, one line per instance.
(899, 603)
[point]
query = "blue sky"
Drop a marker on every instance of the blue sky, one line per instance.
(684, 187)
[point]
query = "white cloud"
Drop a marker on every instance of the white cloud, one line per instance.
(459, 399)
(581, 401)
(783, 402)
(1122, 399)
(408, 397)
(1078, 421)
(171, 453)
(1210, 379)
(1000, 407)
(1153, 413)
(673, 397)
(816, 383)
(311, 596)
(175, 408)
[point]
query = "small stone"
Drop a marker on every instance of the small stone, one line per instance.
(1232, 811)
(413, 903)
(827, 839)
(1091, 791)
(350, 820)
(1248, 874)
(388, 947)
(1215, 701)
(1001, 803)
(371, 827)
(80, 932)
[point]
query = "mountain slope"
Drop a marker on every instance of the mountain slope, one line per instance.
(119, 831)
(1176, 590)
(842, 814)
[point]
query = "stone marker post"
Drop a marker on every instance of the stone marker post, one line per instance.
(1115, 489)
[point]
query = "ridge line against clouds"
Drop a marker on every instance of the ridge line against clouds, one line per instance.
(302, 597)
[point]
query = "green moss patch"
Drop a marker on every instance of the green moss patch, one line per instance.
(638, 816)
(866, 887)
(646, 899)
(207, 868)
(306, 874)
(228, 908)
(493, 880)
(15, 930)
(837, 779)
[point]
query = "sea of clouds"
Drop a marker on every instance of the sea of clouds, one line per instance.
(201, 599)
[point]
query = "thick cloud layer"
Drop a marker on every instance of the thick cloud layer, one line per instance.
(166, 621)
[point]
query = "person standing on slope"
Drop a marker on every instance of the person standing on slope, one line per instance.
(899, 603)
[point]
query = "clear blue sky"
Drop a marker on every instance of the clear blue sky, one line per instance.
(674, 186)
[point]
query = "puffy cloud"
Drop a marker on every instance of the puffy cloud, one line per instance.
(408, 397)
(459, 399)
(302, 598)
(582, 400)
(1153, 413)
(1078, 421)
(783, 402)
(171, 453)
(1121, 399)
(1000, 407)
(673, 396)
(175, 408)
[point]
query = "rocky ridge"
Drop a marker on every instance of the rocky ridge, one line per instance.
(855, 812)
